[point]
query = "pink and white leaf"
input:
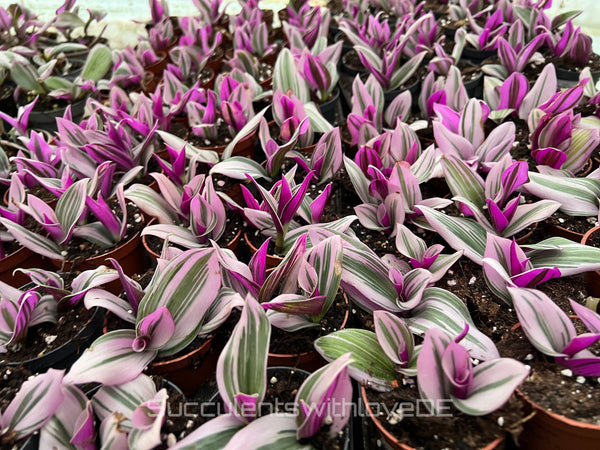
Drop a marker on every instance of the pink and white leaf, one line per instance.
(395, 337)
(241, 367)
(34, 405)
(110, 360)
(547, 327)
(432, 381)
(320, 395)
(147, 420)
(493, 384)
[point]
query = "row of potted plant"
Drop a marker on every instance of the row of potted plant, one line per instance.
(363, 206)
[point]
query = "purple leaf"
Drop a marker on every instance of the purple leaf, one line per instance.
(154, 330)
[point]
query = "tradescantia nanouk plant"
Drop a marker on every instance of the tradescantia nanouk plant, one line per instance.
(183, 299)
(444, 368)
(552, 332)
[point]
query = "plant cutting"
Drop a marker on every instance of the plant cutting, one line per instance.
(183, 300)
(445, 373)
(188, 216)
(242, 392)
(275, 214)
(494, 198)
(63, 223)
(33, 406)
(462, 134)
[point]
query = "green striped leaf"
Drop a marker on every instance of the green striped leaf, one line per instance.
(459, 233)
(327, 259)
(34, 404)
(444, 310)
(57, 433)
(151, 203)
(187, 286)
(577, 196)
(70, 206)
(237, 167)
(569, 257)
(370, 365)
(270, 432)
(36, 243)
(463, 181)
(286, 76)
(242, 364)
(212, 435)
(110, 360)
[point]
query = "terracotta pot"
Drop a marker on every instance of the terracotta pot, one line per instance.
(557, 230)
(591, 279)
(23, 259)
(158, 67)
(232, 245)
(189, 371)
(130, 255)
(310, 360)
(64, 356)
(272, 260)
(525, 238)
(551, 431)
(394, 443)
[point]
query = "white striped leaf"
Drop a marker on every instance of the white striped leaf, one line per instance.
(463, 181)
(286, 77)
(547, 327)
(57, 433)
(444, 310)
(212, 435)
(110, 360)
(70, 207)
(187, 285)
(33, 241)
(460, 233)
(569, 257)
(104, 299)
(124, 398)
(493, 384)
(370, 365)
(34, 404)
(270, 432)
(327, 259)
(583, 143)
(396, 341)
(151, 203)
(237, 167)
(175, 233)
(319, 396)
(242, 364)
(528, 214)
(359, 181)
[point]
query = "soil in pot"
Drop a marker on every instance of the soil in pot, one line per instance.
(570, 227)
(403, 414)
(233, 227)
(81, 253)
(57, 345)
(11, 379)
(302, 341)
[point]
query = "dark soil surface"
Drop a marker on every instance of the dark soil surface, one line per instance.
(398, 410)
(301, 341)
(45, 337)
(550, 385)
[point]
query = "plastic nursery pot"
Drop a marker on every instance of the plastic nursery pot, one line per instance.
(477, 56)
(130, 256)
(547, 430)
(389, 96)
(22, 258)
(310, 360)
(64, 356)
(592, 279)
(393, 442)
(573, 75)
(46, 120)
(332, 109)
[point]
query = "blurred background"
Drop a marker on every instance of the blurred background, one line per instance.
(121, 31)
